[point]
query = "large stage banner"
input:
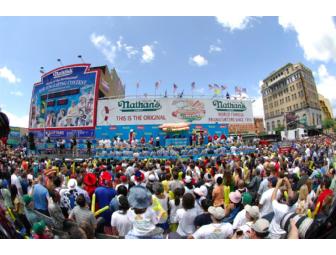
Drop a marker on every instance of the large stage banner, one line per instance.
(173, 110)
(66, 98)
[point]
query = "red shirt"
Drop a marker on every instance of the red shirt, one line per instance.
(322, 196)
(210, 138)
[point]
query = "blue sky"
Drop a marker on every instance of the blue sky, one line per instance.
(232, 51)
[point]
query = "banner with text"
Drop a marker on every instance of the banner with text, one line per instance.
(173, 110)
(65, 98)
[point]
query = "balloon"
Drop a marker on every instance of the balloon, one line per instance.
(93, 203)
(156, 206)
(101, 210)
(226, 195)
(180, 176)
(316, 209)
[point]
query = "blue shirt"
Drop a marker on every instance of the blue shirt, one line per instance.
(104, 196)
(40, 195)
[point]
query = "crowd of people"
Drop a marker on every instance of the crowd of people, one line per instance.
(263, 194)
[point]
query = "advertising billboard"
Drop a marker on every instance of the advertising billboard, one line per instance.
(66, 98)
(173, 110)
(14, 137)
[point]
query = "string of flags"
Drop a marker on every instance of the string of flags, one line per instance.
(217, 89)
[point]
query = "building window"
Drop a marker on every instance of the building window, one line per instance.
(313, 119)
(278, 123)
(268, 126)
(273, 126)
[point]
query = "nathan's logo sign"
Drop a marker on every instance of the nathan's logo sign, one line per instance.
(62, 73)
(188, 110)
(139, 106)
(229, 106)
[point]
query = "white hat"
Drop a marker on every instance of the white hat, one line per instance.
(217, 212)
(204, 190)
(151, 177)
(188, 179)
(72, 184)
(253, 211)
(261, 226)
(199, 192)
(208, 177)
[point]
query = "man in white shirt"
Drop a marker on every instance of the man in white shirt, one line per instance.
(16, 181)
(263, 185)
(240, 218)
(280, 209)
(265, 203)
(215, 230)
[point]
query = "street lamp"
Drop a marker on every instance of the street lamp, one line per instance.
(60, 61)
(81, 58)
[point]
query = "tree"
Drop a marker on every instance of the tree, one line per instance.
(279, 128)
(328, 124)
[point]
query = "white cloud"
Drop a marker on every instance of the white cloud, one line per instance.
(258, 108)
(316, 35)
(130, 50)
(260, 84)
(198, 60)
(17, 121)
(8, 75)
(16, 93)
(326, 85)
(214, 48)
(107, 48)
(235, 22)
(147, 54)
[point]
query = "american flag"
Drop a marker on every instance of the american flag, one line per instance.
(174, 87)
(193, 85)
(157, 84)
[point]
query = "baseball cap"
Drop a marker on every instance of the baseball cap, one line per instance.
(253, 211)
(72, 184)
(187, 179)
(106, 176)
(261, 226)
(39, 227)
(217, 212)
(247, 198)
(235, 197)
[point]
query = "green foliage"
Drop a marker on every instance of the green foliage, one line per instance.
(328, 123)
